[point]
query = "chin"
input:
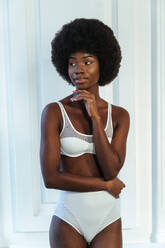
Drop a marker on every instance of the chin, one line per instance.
(81, 87)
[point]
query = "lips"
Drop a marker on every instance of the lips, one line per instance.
(80, 80)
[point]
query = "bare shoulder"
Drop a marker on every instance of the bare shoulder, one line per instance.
(51, 113)
(120, 116)
(51, 108)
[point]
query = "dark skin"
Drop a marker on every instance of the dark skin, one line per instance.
(88, 172)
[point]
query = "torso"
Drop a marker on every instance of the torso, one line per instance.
(86, 164)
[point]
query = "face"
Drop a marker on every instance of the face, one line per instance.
(83, 70)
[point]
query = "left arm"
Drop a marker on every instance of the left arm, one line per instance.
(110, 156)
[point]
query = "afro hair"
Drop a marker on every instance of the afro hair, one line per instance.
(91, 36)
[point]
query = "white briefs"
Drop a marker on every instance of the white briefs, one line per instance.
(88, 212)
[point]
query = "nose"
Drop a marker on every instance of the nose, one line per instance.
(79, 69)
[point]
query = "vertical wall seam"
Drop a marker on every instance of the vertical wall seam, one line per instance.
(154, 106)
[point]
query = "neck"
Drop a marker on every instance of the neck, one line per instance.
(95, 90)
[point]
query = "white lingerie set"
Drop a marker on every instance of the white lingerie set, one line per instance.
(88, 212)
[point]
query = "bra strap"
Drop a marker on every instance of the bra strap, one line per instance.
(110, 118)
(109, 127)
(63, 115)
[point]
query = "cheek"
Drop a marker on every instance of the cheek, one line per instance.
(96, 73)
(70, 72)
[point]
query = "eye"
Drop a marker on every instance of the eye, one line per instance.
(88, 62)
(72, 64)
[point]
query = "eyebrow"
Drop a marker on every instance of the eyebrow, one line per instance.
(84, 57)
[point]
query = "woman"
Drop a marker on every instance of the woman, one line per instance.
(83, 139)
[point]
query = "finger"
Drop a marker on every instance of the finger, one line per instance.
(80, 91)
(83, 94)
(75, 94)
(78, 98)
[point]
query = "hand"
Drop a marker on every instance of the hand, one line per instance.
(115, 186)
(89, 101)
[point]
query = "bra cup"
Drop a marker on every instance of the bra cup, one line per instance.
(74, 147)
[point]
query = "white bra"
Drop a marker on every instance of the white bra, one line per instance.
(74, 143)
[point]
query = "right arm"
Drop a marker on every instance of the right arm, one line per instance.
(50, 158)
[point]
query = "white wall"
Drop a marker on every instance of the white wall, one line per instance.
(28, 82)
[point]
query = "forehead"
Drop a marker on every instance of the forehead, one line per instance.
(81, 55)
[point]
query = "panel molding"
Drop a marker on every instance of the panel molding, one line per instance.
(159, 116)
(126, 100)
(158, 120)
(23, 122)
(134, 31)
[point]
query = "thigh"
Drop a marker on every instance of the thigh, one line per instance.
(63, 235)
(109, 237)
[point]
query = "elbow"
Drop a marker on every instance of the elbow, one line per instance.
(51, 185)
(51, 182)
(48, 184)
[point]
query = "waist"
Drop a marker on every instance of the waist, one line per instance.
(85, 165)
(85, 199)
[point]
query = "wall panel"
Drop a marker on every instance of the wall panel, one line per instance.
(29, 81)
(158, 94)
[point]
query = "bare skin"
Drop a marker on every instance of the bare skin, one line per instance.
(88, 172)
